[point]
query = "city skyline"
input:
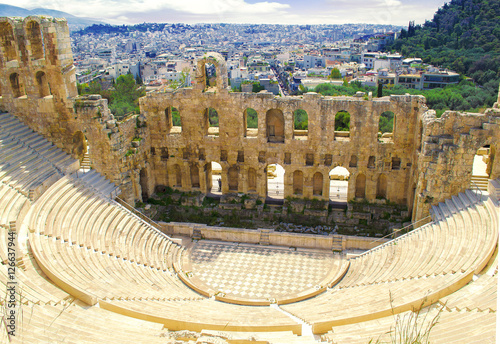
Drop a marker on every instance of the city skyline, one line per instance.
(397, 12)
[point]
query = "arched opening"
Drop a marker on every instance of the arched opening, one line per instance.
(386, 126)
(252, 180)
(35, 38)
(42, 84)
(339, 185)
(177, 176)
(250, 123)
(8, 42)
(298, 182)
(232, 178)
(174, 120)
(318, 184)
(143, 182)
(360, 186)
(275, 182)
(210, 75)
(354, 161)
(275, 126)
(300, 124)
(481, 168)
(211, 119)
(215, 178)
(371, 162)
(195, 176)
(16, 85)
(342, 125)
(382, 186)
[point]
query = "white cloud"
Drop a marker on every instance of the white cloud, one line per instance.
(114, 9)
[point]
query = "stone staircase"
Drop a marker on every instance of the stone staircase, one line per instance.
(480, 181)
(85, 162)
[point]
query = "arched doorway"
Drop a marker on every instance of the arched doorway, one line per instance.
(216, 181)
(481, 168)
(339, 185)
(233, 178)
(275, 182)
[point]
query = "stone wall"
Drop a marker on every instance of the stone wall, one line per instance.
(426, 160)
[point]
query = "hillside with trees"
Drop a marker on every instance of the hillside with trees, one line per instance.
(464, 36)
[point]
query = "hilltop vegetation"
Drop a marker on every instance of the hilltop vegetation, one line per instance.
(464, 36)
(123, 98)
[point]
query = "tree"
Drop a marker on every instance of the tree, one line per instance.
(335, 74)
(342, 121)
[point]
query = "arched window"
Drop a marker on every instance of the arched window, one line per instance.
(342, 125)
(16, 85)
(250, 123)
(143, 182)
(35, 38)
(7, 41)
(195, 176)
(42, 84)
(300, 124)
(210, 75)
(386, 126)
(382, 186)
(252, 180)
(360, 186)
(211, 119)
(275, 126)
(318, 184)
(371, 162)
(232, 174)
(298, 182)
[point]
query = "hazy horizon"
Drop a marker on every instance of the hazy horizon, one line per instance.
(384, 12)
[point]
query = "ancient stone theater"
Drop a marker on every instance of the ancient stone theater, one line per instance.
(80, 265)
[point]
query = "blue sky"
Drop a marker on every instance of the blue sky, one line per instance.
(397, 12)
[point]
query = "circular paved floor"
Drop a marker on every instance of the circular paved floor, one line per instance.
(259, 272)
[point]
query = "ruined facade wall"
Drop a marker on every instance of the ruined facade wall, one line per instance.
(322, 151)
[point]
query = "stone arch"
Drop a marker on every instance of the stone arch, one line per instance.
(219, 64)
(298, 182)
(16, 85)
(386, 126)
(342, 125)
(80, 144)
(34, 35)
(382, 186)
(195, 176)
(7, 40)
(215, 178)
(339, 184)
(250, 123)
(318, 184)
(354, 161)
(275, 178)
(360, 186)
(300, 124)
(252, 180)
(275, 125)
(177, 176)
(233, 176)
(42, 84)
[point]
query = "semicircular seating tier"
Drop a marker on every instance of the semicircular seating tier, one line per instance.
(419, 267)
